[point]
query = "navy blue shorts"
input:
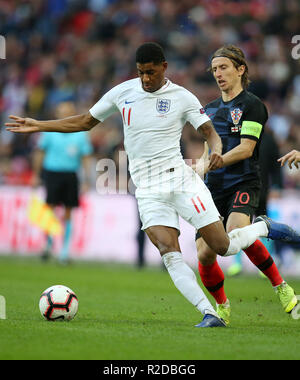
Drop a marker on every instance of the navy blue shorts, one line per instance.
(243, 198)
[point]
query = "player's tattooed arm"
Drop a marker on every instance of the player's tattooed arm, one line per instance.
(214, 142)
(77, 123)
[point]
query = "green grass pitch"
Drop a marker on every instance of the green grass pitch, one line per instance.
(125, 313)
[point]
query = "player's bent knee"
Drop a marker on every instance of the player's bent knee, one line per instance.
(220, 246)
(216, 238)
(165, 239)
(206, 259)
(231, 228)
(223, 248)
(206, 255)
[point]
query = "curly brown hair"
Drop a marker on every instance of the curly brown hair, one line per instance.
(237, 57)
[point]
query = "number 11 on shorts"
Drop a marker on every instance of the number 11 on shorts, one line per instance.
(198, 200)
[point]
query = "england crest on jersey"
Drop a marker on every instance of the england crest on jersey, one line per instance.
(236, 115)
(163, 105)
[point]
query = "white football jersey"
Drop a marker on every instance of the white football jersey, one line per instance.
(153, 123)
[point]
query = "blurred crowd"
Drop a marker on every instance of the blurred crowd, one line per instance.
(76, 50)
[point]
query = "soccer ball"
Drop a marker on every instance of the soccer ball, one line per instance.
(58, 303)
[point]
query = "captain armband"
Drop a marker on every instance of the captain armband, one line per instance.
(251, 128)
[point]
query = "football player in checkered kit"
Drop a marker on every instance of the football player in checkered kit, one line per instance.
(239, 118)
(154, 111)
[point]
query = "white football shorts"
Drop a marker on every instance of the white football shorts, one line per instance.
(181, 194)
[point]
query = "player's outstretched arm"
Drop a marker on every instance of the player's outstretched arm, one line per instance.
(290, 158)
(77, 123)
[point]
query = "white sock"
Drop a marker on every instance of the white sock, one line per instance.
(185, 281)
(242, 238)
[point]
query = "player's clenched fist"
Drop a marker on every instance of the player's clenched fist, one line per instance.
(215, 161)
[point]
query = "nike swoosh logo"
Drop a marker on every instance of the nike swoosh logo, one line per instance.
(126, 102)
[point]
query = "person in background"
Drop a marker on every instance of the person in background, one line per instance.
(292, 157)
(57, 161)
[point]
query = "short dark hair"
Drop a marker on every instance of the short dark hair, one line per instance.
(150, 52)
(237, 57)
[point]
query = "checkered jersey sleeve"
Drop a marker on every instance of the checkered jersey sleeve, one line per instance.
(254, 118)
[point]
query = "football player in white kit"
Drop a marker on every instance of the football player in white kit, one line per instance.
(154, 111)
